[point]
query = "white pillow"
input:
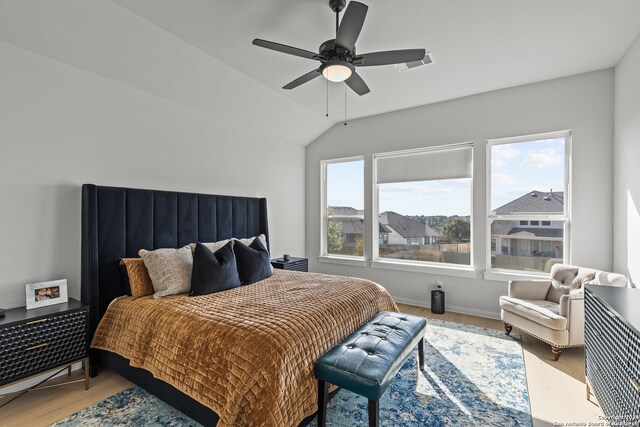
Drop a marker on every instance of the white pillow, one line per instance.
(169, 270)
(248, 241)
(214, 246)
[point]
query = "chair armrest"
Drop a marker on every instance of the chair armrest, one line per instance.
(572, 307)
(529, 289)
(570, 303)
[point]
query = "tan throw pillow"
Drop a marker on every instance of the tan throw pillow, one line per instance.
(139, 280)
(169, 269)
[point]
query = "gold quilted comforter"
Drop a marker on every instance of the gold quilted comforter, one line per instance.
(246, 353)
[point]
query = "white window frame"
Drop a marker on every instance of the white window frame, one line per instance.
(419, 266)
(324, 256)
(506, 274)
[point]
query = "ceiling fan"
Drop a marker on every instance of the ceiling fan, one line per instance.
(338, 58)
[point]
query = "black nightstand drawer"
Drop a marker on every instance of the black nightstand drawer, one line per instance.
(294, 264)
(36, 345)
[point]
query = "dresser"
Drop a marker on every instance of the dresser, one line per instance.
(612, 351)
(43, 339)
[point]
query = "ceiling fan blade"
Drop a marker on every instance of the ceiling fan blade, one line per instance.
(358, 85)
(389, 57)
(351, 25)
(303, 79)
(285, 49)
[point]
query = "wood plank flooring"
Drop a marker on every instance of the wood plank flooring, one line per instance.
(556, 389)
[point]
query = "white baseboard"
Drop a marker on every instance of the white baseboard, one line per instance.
(35, 380)
(455, 309)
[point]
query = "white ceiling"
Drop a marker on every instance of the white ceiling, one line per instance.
(477, 46)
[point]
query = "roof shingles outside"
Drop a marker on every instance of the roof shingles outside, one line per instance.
(433, 231)
(344, 211)
(355, 226)
(406, 227)
(534, 202)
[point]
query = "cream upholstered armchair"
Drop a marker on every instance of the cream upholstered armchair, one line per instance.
(553, 310)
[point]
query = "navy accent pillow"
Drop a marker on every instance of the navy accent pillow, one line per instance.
(213, 271)
(254, 263)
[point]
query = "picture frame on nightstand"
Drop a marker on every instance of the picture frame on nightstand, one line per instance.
(44, 294)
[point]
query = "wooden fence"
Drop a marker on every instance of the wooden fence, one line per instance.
(524, 263)
(453, 253)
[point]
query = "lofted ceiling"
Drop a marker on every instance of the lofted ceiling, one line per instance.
(477, 46)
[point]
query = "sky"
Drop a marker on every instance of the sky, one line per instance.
(516, 169)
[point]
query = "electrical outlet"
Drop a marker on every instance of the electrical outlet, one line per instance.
(440, 285)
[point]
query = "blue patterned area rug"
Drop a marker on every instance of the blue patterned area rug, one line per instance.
(473, 377)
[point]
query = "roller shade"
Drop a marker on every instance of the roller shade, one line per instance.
(450, 163)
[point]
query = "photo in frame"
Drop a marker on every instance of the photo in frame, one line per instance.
(46, 293)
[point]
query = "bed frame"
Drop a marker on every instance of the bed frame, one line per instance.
(117, 222)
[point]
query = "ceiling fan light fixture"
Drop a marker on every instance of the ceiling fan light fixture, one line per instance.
(337, 71)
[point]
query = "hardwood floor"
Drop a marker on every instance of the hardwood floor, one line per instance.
(43, 407)
(556, 389)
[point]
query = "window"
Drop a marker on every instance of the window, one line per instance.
(343, 207)
(528, 195)
(423, 205)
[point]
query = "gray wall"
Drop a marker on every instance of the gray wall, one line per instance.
(61, 126)
(626, 161)
(582, 103)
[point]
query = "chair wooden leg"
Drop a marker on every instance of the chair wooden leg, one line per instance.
(323, 396)
(557, 352)
(507, 328)
(374, 412)
(421, 354)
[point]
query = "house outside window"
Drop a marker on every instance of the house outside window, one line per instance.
(423, 198)
(342, 192)
(528, 187)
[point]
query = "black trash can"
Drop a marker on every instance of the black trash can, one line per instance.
(437, 301)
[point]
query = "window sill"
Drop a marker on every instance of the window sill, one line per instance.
(418, 267)
(343, 260)
(505, 276)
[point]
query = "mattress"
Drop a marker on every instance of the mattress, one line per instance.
(247, 353)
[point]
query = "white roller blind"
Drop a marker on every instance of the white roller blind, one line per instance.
(449, 163)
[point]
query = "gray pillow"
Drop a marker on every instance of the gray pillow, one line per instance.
(169, 270)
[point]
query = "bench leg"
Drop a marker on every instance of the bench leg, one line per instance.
(421, 354)
(374, 411)
(323, 396)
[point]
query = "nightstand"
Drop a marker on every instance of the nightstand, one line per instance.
(295, 264)
(44, 339)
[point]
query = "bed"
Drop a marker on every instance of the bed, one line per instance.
(287, 320)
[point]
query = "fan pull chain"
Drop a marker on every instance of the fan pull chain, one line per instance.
(345, 104)
(327, 100)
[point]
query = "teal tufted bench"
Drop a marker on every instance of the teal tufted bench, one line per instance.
(368, 359)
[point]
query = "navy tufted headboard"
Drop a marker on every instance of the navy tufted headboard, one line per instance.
(117, 222)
